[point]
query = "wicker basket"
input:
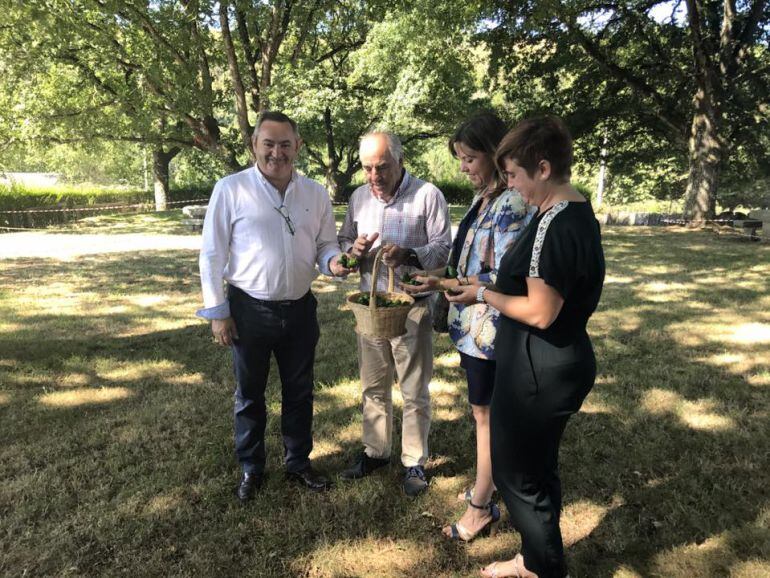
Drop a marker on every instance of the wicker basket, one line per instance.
(373, 321)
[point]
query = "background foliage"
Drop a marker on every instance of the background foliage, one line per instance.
(109, 91)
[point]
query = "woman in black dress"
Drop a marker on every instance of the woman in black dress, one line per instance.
(548, 285)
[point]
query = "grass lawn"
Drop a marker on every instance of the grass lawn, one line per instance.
(116, 411)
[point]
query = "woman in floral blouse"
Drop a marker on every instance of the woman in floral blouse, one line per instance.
(494, 220)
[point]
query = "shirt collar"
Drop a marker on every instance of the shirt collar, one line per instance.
(271, 187)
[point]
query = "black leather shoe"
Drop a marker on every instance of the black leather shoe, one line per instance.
(310, 478)
(363, 467)
(250, 483)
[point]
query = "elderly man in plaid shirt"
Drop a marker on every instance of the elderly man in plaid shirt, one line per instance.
(408, 218)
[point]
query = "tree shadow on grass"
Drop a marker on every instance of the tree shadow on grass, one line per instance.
(667, 454)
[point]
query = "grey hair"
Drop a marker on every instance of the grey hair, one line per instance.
(394, 144)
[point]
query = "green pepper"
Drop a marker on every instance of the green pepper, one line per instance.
(406, 279)
(348, 261)
(451, 272)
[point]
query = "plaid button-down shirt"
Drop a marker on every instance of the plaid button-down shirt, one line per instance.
(417, 217)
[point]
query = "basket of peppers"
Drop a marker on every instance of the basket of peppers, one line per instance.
(380, 313)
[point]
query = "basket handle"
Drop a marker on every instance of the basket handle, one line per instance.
(375, 270)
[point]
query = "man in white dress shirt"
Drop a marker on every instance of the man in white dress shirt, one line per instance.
(266, 230)
(408, 218)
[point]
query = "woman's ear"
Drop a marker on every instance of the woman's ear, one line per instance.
(544, 170)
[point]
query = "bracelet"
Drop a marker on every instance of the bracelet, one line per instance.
(480, 294)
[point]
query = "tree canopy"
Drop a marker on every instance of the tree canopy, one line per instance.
(671, 95)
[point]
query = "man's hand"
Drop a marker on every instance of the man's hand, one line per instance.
(362, 244)
(337, 268)
(393, 255)
(425, 283)
(224, 331)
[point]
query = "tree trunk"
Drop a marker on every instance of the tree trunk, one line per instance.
(336, 183)
(160, 164)
(705, 161)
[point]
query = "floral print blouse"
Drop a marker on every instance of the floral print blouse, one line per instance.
(472, 328)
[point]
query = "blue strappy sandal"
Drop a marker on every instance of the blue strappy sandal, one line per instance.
(460, 532)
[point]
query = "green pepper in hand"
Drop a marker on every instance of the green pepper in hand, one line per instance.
(348, 261)
(406, 279)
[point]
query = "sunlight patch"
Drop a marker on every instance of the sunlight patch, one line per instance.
(759, 378)
(439, 386)
(617, 280)
(447, 413)
(750, 333)
(148, 300)
(320, 287)
(583, 517)
(660, 401)
(698, 415)
(346, 390)
(74, 380)
(596, 407)
(705, 559)
(161, 505)
(663, 292)
(324, 448)
(447, 360)
(10, 327)
(750, 569)
(740, 363)
(122, 371)
(4, 398)
(84, 396)
(186, 379)
(367, 557)
(626, 572)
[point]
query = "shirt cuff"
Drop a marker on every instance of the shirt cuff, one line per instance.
(422, 256)
(221, 311)
(323, 262)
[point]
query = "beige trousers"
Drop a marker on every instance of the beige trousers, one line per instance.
(409, 359)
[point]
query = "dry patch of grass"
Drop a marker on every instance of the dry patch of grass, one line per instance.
(115, 416)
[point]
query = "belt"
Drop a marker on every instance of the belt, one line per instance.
(270, 303)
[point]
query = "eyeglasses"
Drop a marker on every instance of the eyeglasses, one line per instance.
(284, 211)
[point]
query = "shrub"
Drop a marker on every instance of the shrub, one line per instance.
(17, 197)
(456, 193)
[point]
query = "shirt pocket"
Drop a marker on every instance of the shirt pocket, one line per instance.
(405, 230)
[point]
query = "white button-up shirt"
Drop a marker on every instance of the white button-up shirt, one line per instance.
(248, 240)
(417, 217)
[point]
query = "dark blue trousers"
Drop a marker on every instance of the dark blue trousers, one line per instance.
(289, 330)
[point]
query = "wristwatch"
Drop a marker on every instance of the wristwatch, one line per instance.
(480, 294)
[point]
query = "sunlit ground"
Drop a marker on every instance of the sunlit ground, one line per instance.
(115, 416)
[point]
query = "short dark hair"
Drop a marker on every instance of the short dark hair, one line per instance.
(538, 139)
(482, 133)
(275, 116)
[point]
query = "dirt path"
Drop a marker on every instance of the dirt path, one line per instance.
(63, 246)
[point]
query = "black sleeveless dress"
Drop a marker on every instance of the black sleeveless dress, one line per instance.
(543, 375)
